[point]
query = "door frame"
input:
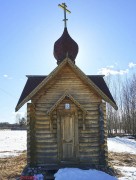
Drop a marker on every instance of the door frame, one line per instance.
(60, 113)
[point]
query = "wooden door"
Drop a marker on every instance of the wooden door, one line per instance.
(68, 136)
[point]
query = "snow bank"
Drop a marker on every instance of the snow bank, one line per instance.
(12, 143)
(78, 174)
(122, 144)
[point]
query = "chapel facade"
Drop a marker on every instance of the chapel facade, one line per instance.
(66, 118)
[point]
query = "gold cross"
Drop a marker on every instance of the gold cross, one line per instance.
(64, 6)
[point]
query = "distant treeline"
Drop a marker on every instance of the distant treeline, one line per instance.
(21, 125)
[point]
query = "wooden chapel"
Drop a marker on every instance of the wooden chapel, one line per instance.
(66, 118)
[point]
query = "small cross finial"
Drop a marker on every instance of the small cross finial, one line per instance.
(64, 7)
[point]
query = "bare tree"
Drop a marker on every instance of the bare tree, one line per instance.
(124, 93)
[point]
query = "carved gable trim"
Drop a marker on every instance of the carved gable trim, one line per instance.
(66, 94)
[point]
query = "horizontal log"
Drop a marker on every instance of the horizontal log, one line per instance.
(89, 130)
(49, 133)
(46, 148)
(92, 113)
(91, 160)
(89, 118)
(88, 140)
(41, 161)
(41, 113)
(89, 154)
(40, 126)
(46, 140)
(88, 135)
(47, 154)
(42, 105)
(89, 149)
(43, 108)
(87, 144)
(45, 131)
(93, 123)
(43, 122)
(44, 136)
(46, 144)
(46, 151)
(80, 128)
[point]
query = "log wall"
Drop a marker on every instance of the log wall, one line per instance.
(46, 136)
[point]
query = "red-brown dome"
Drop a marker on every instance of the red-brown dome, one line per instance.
(64, 47)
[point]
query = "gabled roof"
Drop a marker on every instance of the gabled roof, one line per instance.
(66, 94)
(35, 83)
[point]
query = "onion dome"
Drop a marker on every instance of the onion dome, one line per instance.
(64, 47)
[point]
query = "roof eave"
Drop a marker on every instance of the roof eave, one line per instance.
(54, 72)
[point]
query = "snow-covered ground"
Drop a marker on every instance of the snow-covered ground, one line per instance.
(123, 144)
(128, 172)
(78, 174)
(14, 142)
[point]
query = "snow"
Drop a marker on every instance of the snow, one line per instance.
(122, 145)
(78, 174)
(128, 172)
(12, 143)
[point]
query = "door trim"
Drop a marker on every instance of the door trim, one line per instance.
(61, 113)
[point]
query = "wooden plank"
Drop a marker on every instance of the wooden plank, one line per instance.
(94, 139)
(46, 135)
(91, 129)
(46, 140)
(89, 151)
(88, 135)
(45, 150)
(46, 144)
(91, 160)
(88, 144)
(41, 126)
(47, 155)
(45, 131)
(42, 123)
(41, 161)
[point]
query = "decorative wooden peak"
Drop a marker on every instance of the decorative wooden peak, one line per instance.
(66, 94)
(64, 47)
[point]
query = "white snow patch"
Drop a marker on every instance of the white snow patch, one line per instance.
(12, 143)
(127, 172)
(78, 174)
(122, 144)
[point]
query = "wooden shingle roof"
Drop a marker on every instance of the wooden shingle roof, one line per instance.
(35, 83)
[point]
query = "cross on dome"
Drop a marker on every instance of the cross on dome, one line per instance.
(64, 7)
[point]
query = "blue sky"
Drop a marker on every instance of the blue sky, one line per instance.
(104, 30)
